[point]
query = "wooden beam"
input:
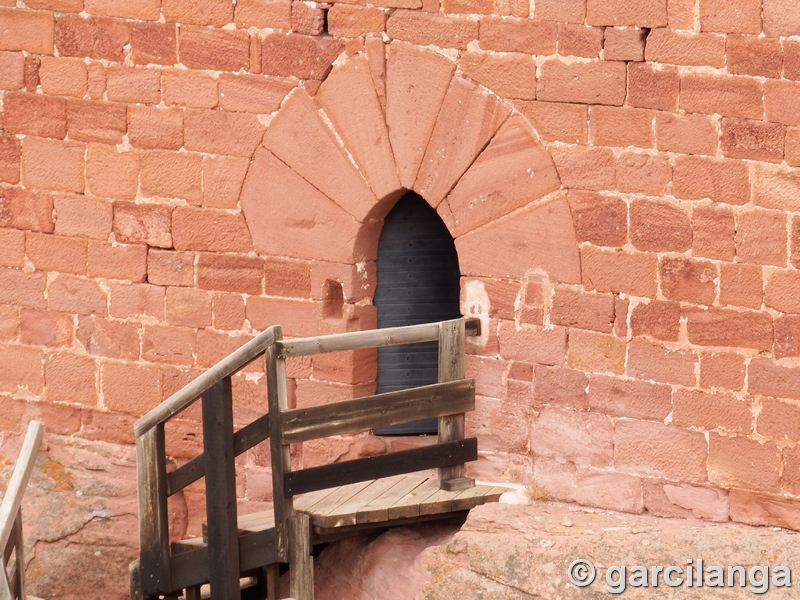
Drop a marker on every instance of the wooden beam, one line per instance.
(193, 390)
(452, 427)
(381, 410)
(273, 574)
(301, 563)
(18, 584)
(153, 518)
(279, 453)
(374, 338)
(223, 535)
(19, 481)
(384, 465)
(193, 469)
(256, 549)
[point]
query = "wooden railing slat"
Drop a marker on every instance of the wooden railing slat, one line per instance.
(194, 389)
(19, 480)
(451, 367)
(281, 460)
(193, 469)
(381, 410)
(153, 518)
(220, 471)
(374, 338)
(376, 467)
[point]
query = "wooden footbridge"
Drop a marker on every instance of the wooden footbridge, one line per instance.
(312, 505)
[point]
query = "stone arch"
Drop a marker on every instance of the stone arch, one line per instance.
(331, 166)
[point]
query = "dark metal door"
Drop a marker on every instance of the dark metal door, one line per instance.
(418, 282)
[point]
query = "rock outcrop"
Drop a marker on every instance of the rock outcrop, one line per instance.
(520, 552)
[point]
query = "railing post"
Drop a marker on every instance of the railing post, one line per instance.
(281, 460)
(19, 551)
(153, 518)
(301, 563)
(223, 535)
(451, 427)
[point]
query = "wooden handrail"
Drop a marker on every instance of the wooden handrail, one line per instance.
(193, 390)
(11, 516)
(373, 338)
(160, 572)
(19, 480)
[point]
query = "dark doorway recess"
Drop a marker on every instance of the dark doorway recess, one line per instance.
(418, 282)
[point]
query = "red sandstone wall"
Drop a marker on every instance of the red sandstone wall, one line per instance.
(663, 378)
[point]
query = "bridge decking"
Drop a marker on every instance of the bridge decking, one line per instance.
(375, 504)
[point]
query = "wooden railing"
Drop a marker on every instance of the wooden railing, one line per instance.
(12, 585)
(228, 554)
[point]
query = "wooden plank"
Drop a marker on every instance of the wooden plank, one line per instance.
(258, 549)
(257, 521)
(154, 560)
(338, 495)
(5, 588)
(306, 501)
(223, 535)
(18, 584)
(279, 453)
(301, 564)
(345, 513)
(408, 505)
(451, 367)
(135, 581)
(437, 503)
(193, 593)
(380, 410)
(378, 509)
(323, 534)
(190, 566)
(374, 338)
(194, 389)
(193, 469)
(19, 480)
(470, 498)
(384, 465)
(459, 483)
(273, 575)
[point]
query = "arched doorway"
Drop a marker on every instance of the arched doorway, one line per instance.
(418, 281)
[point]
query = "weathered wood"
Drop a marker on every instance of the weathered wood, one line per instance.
(281, 461)
(330, 534)
(193, 390)
(273, 575)
(301, 564)
(451, 367)
(257, 549)
(381, 410)
(384, 465)
(18, 583)
(378, 509)
(19, 480)
(459, 483)
(153, 518)
(345, 513)
(223, 536)
(374, 338)
(338, 496)
(190, 557)
(135, 581)
(189, 568)
(5, 588)
(193, 593)
(408, 506)
(193, 469)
